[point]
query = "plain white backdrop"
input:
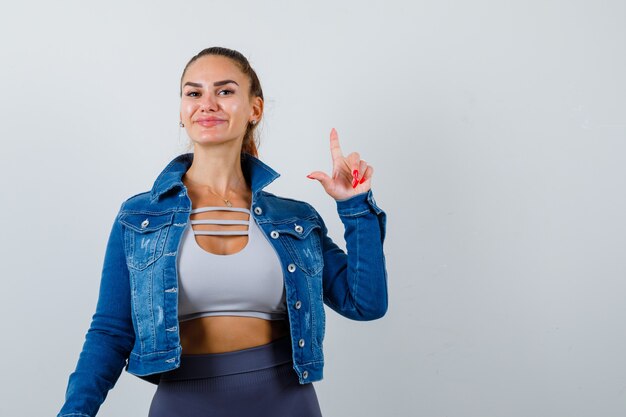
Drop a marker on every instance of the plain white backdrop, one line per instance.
(497, 131)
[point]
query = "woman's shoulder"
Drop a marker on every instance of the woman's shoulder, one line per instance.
(279, 203)
(137, 202)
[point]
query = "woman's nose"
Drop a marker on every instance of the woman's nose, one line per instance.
(208, 102)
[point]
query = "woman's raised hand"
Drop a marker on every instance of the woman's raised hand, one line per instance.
(351, 174)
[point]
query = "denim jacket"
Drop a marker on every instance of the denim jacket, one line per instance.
(135, 324)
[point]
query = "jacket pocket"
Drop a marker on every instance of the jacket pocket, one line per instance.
(301, 239)
(144, 237)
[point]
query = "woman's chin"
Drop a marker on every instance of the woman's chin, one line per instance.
(208, 140)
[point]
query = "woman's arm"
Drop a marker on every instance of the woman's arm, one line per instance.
(110, 337)
(355, 284)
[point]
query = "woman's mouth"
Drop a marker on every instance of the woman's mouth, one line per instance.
(209, 123)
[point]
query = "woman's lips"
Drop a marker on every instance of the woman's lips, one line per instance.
(209, 123)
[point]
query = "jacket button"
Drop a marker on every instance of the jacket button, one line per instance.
(299, 228)
(258, 210)
(301, 343)
(145, 224)
(291, 267)
(274, 234)
(305, 374)
(298, 304)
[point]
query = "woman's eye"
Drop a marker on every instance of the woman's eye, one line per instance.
(197, 94)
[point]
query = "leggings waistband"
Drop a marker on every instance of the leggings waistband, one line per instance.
(217, 364)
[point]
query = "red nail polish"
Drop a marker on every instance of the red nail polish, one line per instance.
(362, 180)
(355, 174)
(308, 176)
(355, 183)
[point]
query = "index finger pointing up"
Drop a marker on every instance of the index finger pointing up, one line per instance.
(335, 149)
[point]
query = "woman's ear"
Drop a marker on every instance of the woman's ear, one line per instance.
(257, 108)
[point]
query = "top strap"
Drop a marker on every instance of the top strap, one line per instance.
(214, 208)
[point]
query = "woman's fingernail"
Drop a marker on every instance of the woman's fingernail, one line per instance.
(355, 174)
(308, 176)
(355, 183)
(362, 180)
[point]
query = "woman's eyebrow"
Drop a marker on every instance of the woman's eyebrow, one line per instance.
(215, 84)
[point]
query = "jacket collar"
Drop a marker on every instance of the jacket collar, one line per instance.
(257, 173)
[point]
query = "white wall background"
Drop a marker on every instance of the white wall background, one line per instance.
(497, 130)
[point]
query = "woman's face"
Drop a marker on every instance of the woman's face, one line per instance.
(215, 106)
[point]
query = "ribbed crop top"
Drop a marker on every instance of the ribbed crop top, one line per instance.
(246, 283)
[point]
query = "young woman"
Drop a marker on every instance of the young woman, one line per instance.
(213, 288)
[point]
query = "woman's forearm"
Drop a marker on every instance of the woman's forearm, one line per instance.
(355, 284)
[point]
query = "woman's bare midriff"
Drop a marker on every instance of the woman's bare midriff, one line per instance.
(219, 334)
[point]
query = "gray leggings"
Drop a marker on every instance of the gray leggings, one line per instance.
(259, 381)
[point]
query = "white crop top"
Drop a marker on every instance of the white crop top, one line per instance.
(245, 283)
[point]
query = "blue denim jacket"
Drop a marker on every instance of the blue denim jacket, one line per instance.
(135, 324)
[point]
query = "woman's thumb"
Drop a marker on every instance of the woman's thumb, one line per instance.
(320, 176)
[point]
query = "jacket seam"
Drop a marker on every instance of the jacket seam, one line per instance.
(156, 213)
(316, 362)
(289, 220)
(360, 213)
(160, 352)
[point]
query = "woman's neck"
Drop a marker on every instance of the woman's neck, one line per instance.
(219, 171)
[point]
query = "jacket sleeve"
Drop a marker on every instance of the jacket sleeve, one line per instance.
(109, 339)
(355, 284)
